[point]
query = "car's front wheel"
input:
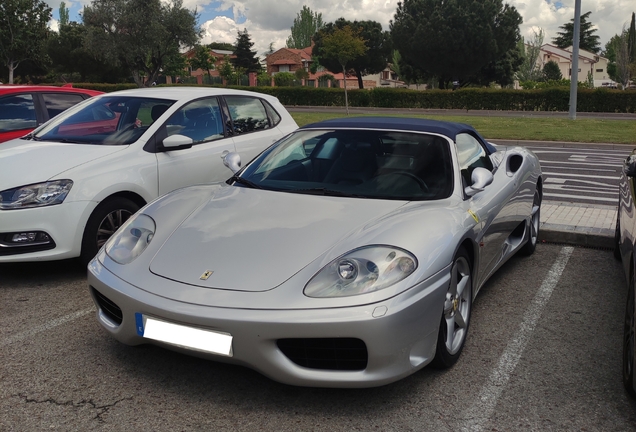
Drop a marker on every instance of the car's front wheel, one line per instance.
(456, 315)
(629, 360)
(107, 217)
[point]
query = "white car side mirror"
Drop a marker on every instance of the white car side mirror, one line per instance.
(232, 160)
(177, 140)
(481, 178)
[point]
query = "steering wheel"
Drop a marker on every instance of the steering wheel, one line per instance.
(410, 175)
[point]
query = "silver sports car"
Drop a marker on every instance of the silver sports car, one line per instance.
(347, 254)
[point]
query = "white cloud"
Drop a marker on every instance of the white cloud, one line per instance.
(608, 16)
(270, 21)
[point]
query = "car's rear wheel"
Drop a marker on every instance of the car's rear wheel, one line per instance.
(107, 217)
(533, 228)
(456, 315)
(629, 361)
(617, 237)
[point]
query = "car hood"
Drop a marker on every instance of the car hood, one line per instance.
(26, 162)
(254, 240)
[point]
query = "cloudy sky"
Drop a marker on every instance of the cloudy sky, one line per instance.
(269, 21)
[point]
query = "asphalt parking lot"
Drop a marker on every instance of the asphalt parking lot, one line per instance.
(543, 353)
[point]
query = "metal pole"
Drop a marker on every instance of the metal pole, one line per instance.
(574, 75)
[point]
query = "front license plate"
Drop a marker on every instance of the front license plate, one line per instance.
(184, 336)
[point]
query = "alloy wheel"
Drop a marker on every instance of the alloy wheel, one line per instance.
(457, 305)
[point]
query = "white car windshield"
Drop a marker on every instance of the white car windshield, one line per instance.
(110, 120)
(355, 163)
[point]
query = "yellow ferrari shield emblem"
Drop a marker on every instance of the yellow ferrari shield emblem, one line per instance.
(474, 215)
(206, 275)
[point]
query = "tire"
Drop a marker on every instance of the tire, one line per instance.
(617, 237)
(456, 314)
(532, 230)
(107, 217)
(629, 360)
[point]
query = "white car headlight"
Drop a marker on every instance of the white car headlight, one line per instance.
(35, 195)
(131, 239)
(361, 271)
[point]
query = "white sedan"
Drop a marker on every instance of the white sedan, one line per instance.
(69, 185)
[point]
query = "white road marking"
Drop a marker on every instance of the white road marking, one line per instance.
(479, 413)
(44, 327)
(545, 166)
(587, 176)
(579, 163)
(595, 152)
(585, 197)
(577, 181)
(609, 190)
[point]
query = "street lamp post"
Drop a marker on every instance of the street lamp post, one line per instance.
(574, 75)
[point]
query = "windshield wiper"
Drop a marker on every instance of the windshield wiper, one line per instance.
(325, 192)
(30, 136)
(245, 182)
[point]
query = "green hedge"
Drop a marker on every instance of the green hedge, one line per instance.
(550, 99)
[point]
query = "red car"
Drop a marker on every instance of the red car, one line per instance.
(23, 108)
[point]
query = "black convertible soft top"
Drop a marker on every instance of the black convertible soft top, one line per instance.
(449, 129)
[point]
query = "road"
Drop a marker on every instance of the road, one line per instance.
(543, 353)
(581, 175)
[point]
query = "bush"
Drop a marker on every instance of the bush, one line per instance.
(543, 99)
(284, 79)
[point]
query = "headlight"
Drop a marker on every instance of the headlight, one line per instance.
(361, 271)
(35, 195)
(131, 239)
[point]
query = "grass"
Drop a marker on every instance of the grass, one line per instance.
(524, 128)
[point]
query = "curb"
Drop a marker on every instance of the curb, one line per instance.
(601, 238)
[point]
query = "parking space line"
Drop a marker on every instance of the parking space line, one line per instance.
(479, 413)
(44, 327)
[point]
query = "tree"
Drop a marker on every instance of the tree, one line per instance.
(551, 71)
(623, 67)
(454, 40)
(64, 20)
(245, 57)
(226, 71)
(377, 42)
(202, 59)
(345, 46)
(306, 24)
(23, 32)
(225, 46)
(530, 70)
(175, 65)
(69, 57)
(139, 34)
(610, 54)
(587, 41)
(270, 50)
(631, 39)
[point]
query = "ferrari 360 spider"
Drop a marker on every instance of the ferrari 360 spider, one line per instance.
(347, 254)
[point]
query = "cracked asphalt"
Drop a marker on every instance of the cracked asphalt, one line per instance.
(60, 371)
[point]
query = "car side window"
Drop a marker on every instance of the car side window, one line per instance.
(471, 154)
(276, 118)
(199, 120)
(17, 112)
(55, 103)
(248, 114)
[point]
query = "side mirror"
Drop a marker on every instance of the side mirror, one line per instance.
(481, 178)
(630, 166)
(177, 141)
(232, 160)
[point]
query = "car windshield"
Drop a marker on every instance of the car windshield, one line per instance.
(355, 163)
(110, 120)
